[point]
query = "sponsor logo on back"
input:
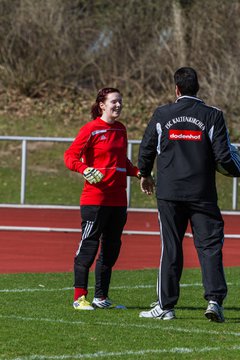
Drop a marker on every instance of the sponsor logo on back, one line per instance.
(187, 135)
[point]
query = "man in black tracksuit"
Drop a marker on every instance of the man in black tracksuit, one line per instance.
(190, 140)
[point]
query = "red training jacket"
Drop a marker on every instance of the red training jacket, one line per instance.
(102, 146)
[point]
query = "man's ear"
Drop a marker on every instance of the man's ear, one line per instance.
(177, 91)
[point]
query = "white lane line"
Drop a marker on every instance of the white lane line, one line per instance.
(73, 230)
(123, 325)
(103, 354)
(77, 208)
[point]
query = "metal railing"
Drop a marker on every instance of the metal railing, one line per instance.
(25, 139)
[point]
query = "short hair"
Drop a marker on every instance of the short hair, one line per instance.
(101, 97)
(187, 81)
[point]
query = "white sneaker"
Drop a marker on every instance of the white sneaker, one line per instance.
(82, 304)
(102, 303)
(214, 312)
(153, 304)
(158, 313)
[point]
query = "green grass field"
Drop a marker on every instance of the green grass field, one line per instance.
(39, 323)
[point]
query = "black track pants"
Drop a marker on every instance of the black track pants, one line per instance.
(100, 224)
(207, 227)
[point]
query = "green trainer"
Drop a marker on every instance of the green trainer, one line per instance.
(82, 304)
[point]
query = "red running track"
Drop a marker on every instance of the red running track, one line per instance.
(28, 251)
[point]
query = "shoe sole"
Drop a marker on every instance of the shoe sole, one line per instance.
(81, 309)
(103, 307)
(171, 318)
(212, 316)
(158, 318)
(165, 318)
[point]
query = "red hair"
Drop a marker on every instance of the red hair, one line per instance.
(96, 111)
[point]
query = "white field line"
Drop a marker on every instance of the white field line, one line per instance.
(123, 325)
(103, 354)
(43, 289)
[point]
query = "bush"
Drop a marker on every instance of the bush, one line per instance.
(82, 45)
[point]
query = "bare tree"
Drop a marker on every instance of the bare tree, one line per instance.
(134, 44)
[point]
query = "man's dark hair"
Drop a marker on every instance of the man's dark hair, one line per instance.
(187, 81)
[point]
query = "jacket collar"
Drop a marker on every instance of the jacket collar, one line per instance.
(189, 97)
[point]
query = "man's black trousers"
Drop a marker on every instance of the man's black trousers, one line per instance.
(100, 225)
(208, 235)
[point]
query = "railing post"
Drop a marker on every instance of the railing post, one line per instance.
(235, 194)
(129, 155)
(23, 171)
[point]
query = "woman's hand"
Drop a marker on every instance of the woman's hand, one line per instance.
(93, 176)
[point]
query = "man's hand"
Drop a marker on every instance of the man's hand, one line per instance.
(147, 185)
(93, 176)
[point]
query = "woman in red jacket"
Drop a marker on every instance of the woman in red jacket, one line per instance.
(99, 152)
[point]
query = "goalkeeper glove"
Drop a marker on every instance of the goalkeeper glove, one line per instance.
(92, 175)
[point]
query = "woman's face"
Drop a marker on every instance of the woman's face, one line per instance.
(111, 107)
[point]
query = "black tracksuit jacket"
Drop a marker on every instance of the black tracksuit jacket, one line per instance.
(189, 138)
